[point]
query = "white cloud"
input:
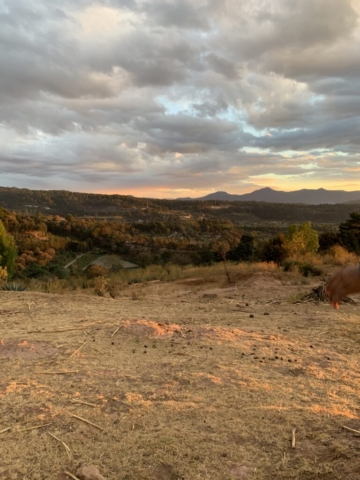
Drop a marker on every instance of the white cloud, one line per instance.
(119, 94)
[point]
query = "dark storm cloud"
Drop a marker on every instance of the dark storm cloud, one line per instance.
(99, 91)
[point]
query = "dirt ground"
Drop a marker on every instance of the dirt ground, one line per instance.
(188, 380)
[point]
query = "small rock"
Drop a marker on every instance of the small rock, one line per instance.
(89, 472)
(251, 315)
(242, 472)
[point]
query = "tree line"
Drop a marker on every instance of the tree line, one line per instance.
(33, 244)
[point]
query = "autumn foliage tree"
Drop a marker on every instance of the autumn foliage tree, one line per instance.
(301, 239)
(8, 252)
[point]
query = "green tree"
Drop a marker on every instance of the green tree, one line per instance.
(274, 250)
(327, 240)
(301, 239)
(349, 233)
(245, 250)
(8, 251)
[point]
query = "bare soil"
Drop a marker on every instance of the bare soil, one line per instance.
(188, 380)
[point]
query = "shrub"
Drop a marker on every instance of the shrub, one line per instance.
(34, 270)
(61, 272)
(308, 270)
(3, 273)
(100, 286)
(291, 265)
(13, 287)
(96, 271)
(340, 256)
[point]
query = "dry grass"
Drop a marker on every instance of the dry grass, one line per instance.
(116, 283)
(200, 380)
(340, 256)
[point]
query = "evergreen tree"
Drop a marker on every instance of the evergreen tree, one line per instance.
(245, 250)
(349, 233)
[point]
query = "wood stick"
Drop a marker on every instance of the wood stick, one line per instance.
(84, 403)
(346, 428)
(87, 421)
(58, 373)
(5, 430)
(34, 428)
(293, 439)
(78, 350)
(115, 331)
(67, 449)
(184, 354)
(70, 329)
(71, 475)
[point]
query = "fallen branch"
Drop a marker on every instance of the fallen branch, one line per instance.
(351, 429)
(5, 430)
(58, 373)
(67, 449)
(87, 421)
(115, 331)
(319, 294)
(34, 428)
(293, 439)
(71, 475)
(85, 403)
(78, 350)
(183, 354)
(70, 328)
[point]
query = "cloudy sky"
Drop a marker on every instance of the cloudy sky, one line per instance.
(174, 98)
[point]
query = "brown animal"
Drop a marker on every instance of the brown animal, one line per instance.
(342, 283)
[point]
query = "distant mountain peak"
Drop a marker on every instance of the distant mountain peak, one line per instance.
(304, 196)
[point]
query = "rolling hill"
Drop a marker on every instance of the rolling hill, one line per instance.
(307, 196)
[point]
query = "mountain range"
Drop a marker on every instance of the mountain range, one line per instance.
(305, 196)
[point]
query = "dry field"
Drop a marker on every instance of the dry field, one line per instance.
(190, 380)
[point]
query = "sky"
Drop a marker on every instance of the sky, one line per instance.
(179, 98)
